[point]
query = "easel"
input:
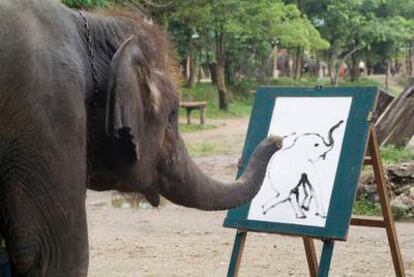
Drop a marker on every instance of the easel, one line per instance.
(322, 270)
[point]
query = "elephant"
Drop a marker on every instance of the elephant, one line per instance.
(90, 101)
(303, 151)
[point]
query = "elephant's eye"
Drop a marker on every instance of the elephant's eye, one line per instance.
(316, 144)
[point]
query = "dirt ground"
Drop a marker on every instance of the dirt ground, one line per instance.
(176, 241)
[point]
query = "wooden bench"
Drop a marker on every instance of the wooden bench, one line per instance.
(190, 106)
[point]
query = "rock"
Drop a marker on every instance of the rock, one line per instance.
(401, 185)
(403, 205)
(401, 173)
(129, 200)
(401, 189)
(399, 204)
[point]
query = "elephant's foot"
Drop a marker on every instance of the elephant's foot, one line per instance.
(320, 215)
(301, 216)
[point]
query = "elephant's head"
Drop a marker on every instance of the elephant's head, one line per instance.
(313, 145)
(148, 154)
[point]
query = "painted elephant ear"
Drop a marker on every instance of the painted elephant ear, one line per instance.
(132, 93)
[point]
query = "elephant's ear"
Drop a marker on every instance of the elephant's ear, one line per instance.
(132, 93)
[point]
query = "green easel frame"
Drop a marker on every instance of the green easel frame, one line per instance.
(361, 137)
(322, 269)
(348, 169)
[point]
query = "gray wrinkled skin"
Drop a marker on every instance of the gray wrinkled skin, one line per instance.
(48, 131)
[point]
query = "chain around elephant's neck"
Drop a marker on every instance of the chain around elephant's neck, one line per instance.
(94, 101)
(91, 55)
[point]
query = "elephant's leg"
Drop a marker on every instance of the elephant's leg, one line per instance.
(16, 218)
(43, 218)
(320, 211)
(309, 194)
(295, 203)
(274, 198)
(288, 198)
(272, 186)
(44, 236)
(307, 198)
(306, 202)
(283, 199)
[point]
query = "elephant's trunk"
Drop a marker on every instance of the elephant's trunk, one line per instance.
(183, 183)
(330, 141)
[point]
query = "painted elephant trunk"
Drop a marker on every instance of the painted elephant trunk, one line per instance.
(185, 184)
(330, 137)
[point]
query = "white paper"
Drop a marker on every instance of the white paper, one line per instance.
(300, 177)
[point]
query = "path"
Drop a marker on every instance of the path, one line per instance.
(227, 138)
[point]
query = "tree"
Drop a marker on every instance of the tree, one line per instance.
(85, 3)
(355, 28)
(242, 26)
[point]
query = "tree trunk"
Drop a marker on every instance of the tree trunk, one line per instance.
(228, 73)
(213, 73)
(221, 67)
(369, 67)
(355, 74)
(331, 68)
(411, 60)
(297, 65)
(275, 71)
(192, 71)
(221, 86)
(396, 124)
(387, 75)
(184, 69)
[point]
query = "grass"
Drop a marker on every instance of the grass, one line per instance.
(310, 82)
(391, 154)
(242, 100)
(240, 106)
(212, 148)
(367, 208)
(185, 128)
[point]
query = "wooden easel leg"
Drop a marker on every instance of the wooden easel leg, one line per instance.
(311, 256)
(237, 253)
(326, 257)
(385, 204)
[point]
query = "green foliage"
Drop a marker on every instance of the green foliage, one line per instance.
(238, 107)
(391, 154)
(367, 208)
(85, 3)
(244, 86)
(334, 31)
(243, 32)
(185, 128)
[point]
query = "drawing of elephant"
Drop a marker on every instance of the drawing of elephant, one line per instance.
(299, 182)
